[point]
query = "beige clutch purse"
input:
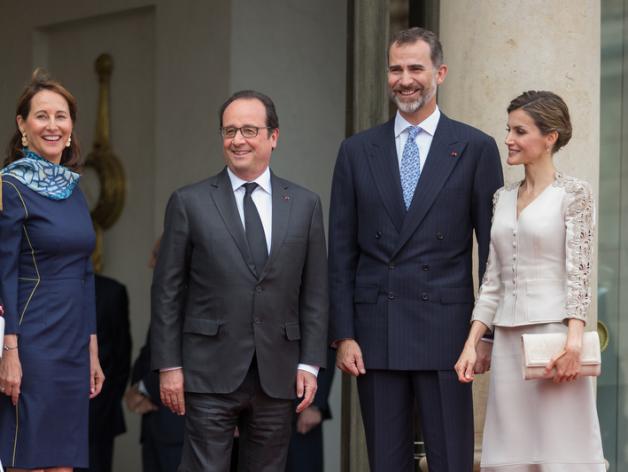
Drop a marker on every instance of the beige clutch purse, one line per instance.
(538, 349)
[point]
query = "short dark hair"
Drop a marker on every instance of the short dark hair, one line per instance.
(549, 112)
(412, 35)
(271, 114)
(40, 80)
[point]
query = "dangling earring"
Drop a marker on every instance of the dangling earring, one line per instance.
(69, 143)
(24, 140)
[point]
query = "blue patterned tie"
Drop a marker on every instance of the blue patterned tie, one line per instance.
(410, 165)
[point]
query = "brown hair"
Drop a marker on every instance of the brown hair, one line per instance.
(412, 35)
(71, 156)
(549, 112)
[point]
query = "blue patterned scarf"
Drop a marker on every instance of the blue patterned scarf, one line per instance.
(42, 176)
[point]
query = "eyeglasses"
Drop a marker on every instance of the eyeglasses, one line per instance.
(246, 131)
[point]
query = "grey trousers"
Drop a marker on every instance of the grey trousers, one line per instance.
(264, 423)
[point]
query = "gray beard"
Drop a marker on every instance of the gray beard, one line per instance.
(411, 107)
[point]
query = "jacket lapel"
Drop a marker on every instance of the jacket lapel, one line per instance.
(282, 204)
(222, 193)
(384, 166)
(444, 153)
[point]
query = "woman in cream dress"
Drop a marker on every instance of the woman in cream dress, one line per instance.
(537, 280)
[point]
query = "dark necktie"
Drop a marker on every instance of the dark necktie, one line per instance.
(254, 229)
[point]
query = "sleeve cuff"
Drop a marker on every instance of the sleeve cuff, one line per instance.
(141, 386)
(167, 369)
(312, 369)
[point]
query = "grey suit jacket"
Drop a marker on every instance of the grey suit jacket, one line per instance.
(211, 311)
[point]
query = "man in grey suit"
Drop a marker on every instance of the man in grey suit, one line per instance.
(239, 300)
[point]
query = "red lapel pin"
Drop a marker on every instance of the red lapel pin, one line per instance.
(286, 197)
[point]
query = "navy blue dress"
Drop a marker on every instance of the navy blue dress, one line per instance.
(47, 285)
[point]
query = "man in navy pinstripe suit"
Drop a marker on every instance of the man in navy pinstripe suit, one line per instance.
(401, 265)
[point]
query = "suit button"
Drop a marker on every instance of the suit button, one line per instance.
(259, 289)
(440, 236)
(425, 297)
(425, 267)
(257, 320)
(378, 235)
(391, 267)
(391, 296)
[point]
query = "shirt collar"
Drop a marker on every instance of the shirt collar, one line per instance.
(263, 181)
(428, 124)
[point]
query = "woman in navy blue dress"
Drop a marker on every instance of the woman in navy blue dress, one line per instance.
(49, 368)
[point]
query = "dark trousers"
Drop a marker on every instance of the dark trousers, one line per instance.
(100, 455)
(445, 409)
(159, 456)
(264, 424)
(306, 451)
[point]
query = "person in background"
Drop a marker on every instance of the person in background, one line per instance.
(50, 368)
(306, 445)
(106, 418)
(161, 433)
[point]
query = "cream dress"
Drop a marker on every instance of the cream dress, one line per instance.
(537, 277)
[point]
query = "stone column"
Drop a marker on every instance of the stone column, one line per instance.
(496, 49)
(367, 106)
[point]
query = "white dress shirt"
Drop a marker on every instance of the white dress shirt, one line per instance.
(262, 196)
(423, 139)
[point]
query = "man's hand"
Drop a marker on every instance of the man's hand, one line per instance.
(349, 357)
(309, 419)
(306, 389)
(171, 390)
(484, 351)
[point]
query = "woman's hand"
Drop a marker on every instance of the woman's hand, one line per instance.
(567, 365)
(469, 356)
(466, 362)
(10, 370)
(567, 362)
(96, 375)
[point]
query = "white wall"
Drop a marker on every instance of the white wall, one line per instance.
(175, 63)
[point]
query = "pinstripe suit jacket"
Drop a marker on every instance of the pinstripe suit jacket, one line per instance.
(401, 282)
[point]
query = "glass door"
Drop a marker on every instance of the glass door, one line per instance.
(613, 233)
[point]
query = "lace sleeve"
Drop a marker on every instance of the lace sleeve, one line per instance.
(580, 226)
